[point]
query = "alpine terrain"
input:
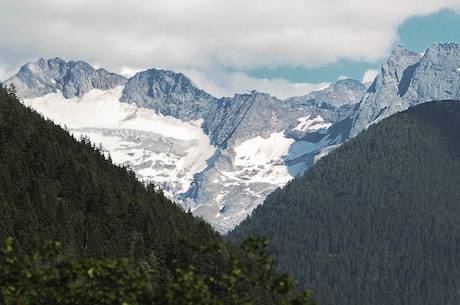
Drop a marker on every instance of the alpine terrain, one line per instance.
(221, 157)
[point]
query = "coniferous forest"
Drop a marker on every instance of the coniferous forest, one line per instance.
(378, 220)
(75, 229)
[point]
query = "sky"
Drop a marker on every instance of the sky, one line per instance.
(282, 47)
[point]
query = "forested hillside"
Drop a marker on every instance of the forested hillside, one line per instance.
(378, 220)
(53, 187)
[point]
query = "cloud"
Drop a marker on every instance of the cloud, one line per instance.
(369, 75)
(205, 34)
(5, 73)
(224, 83)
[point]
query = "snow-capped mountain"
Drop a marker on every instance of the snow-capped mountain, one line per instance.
(221, 157)
(74, 78)
(261, 142)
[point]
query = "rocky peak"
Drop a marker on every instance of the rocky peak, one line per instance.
(390, 84)
(340, 93)
(437, 76)
(73, 78)
(397, 69)
(408, 78)
(242, 117)
(168, 93)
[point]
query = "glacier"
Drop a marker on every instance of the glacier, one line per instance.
(160, 149)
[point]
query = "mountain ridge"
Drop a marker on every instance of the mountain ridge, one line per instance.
(306, 127)
(408, 78)
(73, 78)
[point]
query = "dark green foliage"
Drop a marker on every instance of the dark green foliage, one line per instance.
(378, 220)
(250, 279)
(122, 242)
(44, 277)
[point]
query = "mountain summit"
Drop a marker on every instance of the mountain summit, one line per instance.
(74, 78)
(408, 78)
(168, 93)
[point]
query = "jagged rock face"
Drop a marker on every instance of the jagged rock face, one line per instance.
(168, 93)
(74, 78)
(383, 96)
(437, 75)
(244, 117)
(333, 103)
(407, 79)
(238, 178)
(238, 149)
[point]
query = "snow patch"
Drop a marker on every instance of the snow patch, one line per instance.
(311, 124)
(301, 148)
(33, 67)
(261, 160)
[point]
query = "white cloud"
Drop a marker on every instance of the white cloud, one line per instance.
(6, 73)
(3, 74)
(128, 71)
(223, 83)
(205, 34)
(369, 75)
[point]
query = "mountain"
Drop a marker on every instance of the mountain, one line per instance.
(74, 78)
(198, 149)
(407, 79)
(375, 221)
(272, 142)
(168, 93)
(220, 157)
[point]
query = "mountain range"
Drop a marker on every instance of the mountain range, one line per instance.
(221, 157)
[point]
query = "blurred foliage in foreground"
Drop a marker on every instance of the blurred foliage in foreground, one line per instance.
(46, 277)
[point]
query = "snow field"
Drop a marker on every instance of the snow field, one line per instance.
(261, 160)
(314, 124)
(161, 149)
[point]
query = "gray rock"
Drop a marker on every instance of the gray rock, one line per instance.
(383, 96)
(408, 79)
(73, 78)
(168, 93)
(437, 75)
